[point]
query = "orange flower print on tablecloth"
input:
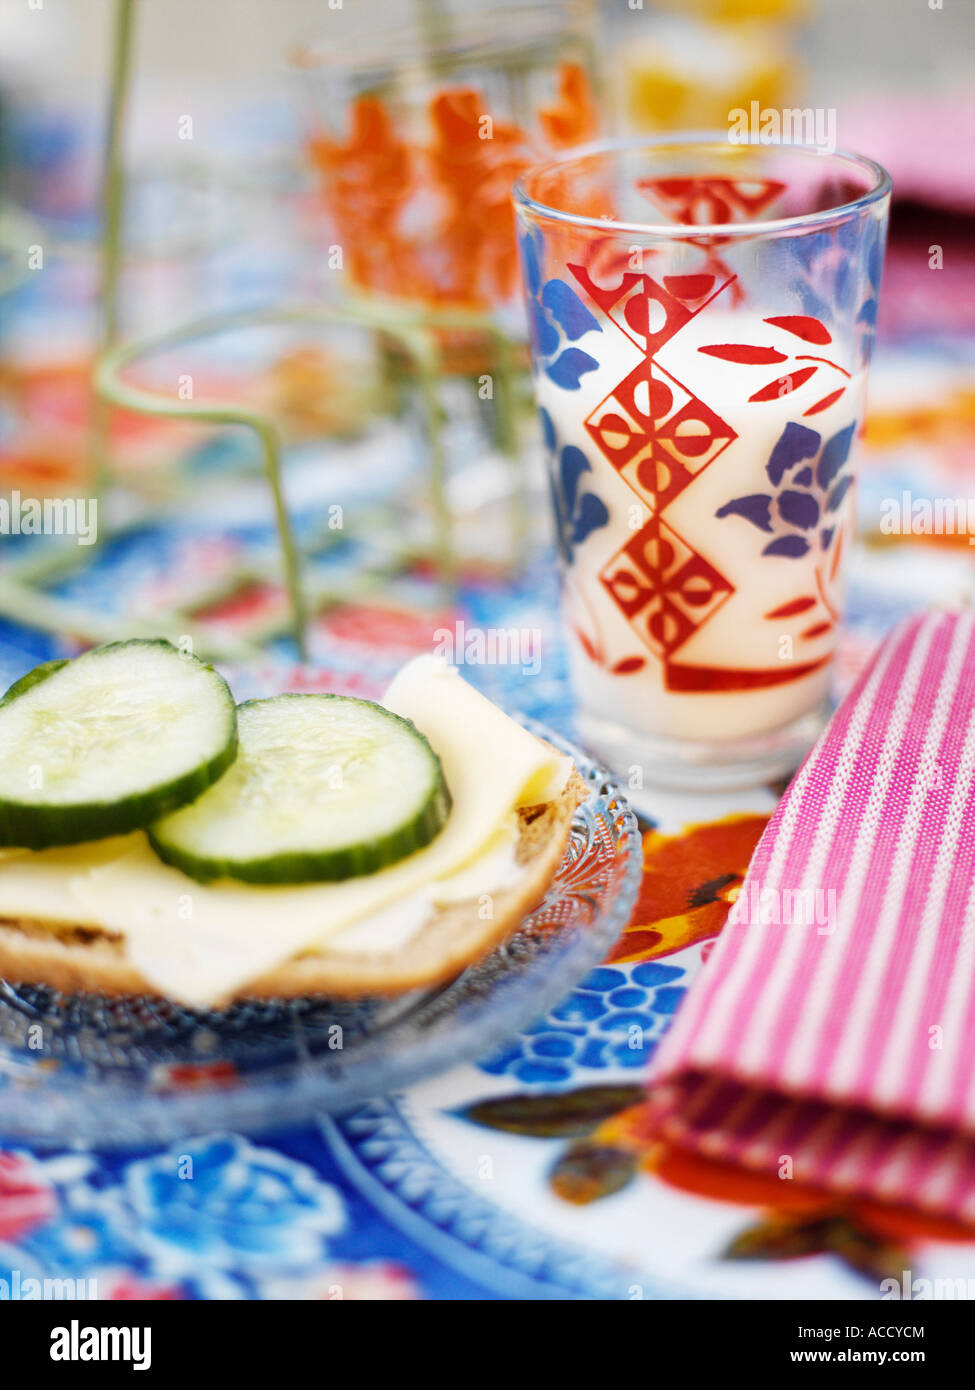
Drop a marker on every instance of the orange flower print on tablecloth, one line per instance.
(608, 1145)
(789, 1220)
(792, 1220)
(689, 883)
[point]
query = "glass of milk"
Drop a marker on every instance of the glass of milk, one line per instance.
(701, 319)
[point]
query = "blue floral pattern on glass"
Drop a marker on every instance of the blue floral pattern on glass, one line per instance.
(577, 512)
(557, 319)
(809, 485)
(841, 271)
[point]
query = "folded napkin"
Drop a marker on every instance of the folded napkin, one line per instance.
(834, 1023)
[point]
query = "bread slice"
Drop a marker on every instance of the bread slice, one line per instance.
(79, 958)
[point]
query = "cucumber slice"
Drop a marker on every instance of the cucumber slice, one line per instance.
(325, 787)
(110, 741)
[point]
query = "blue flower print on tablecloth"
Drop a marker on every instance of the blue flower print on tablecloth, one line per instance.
(383, 1281)
(92, 1229)
(615, 1018)
(557, 319)
(808, 488)
(53, 1218)
(64, 1234)
(228, 1204)
(578, 511)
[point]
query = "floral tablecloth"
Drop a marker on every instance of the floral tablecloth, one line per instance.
(526, 1175)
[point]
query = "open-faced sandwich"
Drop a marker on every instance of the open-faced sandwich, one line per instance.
(157, 839)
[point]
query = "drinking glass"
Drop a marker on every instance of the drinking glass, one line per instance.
(701, 319)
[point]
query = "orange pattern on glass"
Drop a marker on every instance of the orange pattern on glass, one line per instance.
(432, 222)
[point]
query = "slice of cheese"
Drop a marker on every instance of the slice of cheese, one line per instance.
(392, 927)
(454, 716)
(389, 928)
(200, 943)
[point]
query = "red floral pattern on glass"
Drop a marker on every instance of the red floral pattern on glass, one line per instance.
(659, 436)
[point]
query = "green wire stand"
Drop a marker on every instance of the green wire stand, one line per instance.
(115, 389)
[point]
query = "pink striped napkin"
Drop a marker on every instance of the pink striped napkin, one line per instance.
(834, 1023)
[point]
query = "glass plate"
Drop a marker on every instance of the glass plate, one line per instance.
(130, 1071)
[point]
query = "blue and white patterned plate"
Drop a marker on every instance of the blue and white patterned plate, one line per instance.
(123, 1072)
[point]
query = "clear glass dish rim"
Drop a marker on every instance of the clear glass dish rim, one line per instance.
(679, 231)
